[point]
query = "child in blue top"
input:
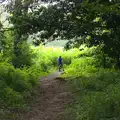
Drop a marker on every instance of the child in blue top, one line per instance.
(60, 63)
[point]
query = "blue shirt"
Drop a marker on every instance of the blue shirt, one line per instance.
(60, 60)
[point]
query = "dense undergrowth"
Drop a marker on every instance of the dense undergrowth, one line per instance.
(96, 89)
(95, 81)
(17, 84)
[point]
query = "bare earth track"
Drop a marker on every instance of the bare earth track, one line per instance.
(51, 99)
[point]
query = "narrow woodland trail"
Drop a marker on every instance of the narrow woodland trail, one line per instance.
(51, 99)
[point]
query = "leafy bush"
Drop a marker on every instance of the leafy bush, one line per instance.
(12, 98)
(14, 83)
(24, 57)
(81, 66)
(97, 95)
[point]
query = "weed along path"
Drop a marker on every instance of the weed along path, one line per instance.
(50, 100)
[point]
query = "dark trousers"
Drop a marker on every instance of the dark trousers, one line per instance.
(60, 66)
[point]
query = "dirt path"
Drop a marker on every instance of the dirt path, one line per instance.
(51, 99)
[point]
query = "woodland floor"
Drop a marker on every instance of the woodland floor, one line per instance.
(50, 100)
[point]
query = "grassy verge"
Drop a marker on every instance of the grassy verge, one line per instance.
(95, 91)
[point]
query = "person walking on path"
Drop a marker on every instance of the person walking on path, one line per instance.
(60, 63)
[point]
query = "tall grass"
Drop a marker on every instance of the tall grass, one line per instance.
(47, 56)
(96, 90)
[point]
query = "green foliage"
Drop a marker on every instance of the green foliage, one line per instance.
(87, 21)
(96, 90)
(24, 57)
(17, 83)
(47, 56)
(13, 98)
(81, 66)
(7, 46)
(14, 83)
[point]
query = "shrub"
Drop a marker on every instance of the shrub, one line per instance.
(97, 94)
(96, 89)
(14, 83)
(12, 98)
(24, 57)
